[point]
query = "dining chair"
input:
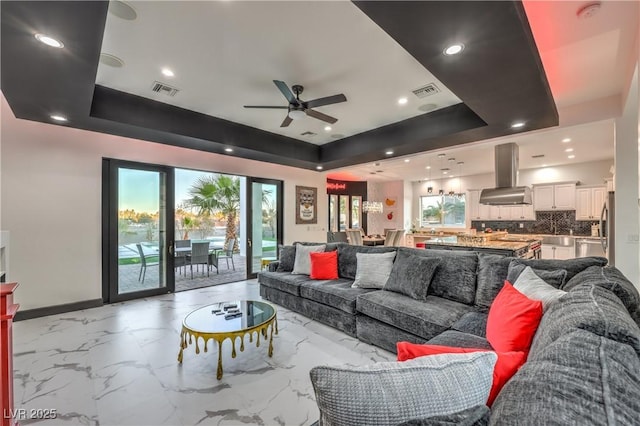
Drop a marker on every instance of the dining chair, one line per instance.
(227, 253)
(340, 237)
(144, 263)
(355, 237)
(390, 237)
(199, 256)
(399, 238)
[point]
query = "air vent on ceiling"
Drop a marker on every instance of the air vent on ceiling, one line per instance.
(428, 90)
(537, 156)
(164, 88)
(308, 133)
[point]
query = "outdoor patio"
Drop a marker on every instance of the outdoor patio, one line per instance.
(128, 276)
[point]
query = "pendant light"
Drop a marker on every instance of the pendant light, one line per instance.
(441, 157)
(429, 188)
(460, 194)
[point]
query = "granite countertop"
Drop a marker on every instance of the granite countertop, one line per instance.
(508, 245)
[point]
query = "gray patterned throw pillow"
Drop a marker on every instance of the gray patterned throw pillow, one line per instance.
(411, 275)
(534, 287)
(373, 269)
(389, 393)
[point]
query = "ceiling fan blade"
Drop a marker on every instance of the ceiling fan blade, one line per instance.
(286, 91)
(325, 101)
(287, 120)
(270, 107)
(320, 116)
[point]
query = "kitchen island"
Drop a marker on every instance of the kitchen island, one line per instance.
(503, 244)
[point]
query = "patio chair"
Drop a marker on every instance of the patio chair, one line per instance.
(227, 253)
(180, 259)
(340, 237)
(199, 256)
(144, 263)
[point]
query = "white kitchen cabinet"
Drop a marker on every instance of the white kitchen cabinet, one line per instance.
(557, 252)
(589, 202)
(476, 210)
(560, 196)
(523, 212)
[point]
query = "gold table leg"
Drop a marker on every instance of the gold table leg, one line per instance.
(219, 375)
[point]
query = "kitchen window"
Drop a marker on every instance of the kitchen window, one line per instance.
(442, 211)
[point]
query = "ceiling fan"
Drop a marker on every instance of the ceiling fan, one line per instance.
(298, 108)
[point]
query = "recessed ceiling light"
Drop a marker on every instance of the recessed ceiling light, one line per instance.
(402, 101)
(568, 150)
(228, 149)
(444, 173)
(389, 152)
(406, 160)
(327, 128)
(454, 49)
(517, 124)
(49, 41)
(442, 155)
(544, 165)
(571, 156)
(58, 117)
(318, 167)
(565, 140)
(428, 167)
(167, 72)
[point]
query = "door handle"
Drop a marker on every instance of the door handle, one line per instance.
(249, 242)
(170, 248)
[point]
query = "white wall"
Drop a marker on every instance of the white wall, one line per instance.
(51, 191)
(383, 191)
(627, 251)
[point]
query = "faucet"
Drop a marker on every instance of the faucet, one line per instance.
(554, 226)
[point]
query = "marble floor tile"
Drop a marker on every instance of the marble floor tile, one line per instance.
(117, 365)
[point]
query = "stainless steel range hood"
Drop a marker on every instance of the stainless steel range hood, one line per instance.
(506, 192)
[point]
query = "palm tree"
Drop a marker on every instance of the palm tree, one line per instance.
(219, 193)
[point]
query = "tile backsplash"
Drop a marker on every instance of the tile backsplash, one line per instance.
(562, 221)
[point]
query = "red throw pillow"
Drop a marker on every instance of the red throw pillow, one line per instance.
(507, 365)
(324, 265)
(513, 320)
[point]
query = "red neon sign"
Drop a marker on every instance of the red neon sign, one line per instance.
(336, 186)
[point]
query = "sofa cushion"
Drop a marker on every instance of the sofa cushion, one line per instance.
(302, 264)
(422, 318)
(283, 281)
(474, 416)
(492, 271)
(587, 307)
(534, 287)
(580, 379)
(556, 278)
(336, 293)
(506, 365)
(347, 262)
(460, 339)
(611, 278)
(473, 323)
(388, 393)
(513, 320)
(572, 266)
(455, 278)
(373, 269)
(287, 258)
(411, 275)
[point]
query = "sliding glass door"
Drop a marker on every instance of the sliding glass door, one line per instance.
(138, 230)
(264, 223)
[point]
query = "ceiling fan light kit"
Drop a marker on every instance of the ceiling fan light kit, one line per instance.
(298, 108)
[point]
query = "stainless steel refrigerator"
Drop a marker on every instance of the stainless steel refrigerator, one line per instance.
(605, 245)
(608, 227)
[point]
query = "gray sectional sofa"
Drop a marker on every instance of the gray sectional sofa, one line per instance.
(583, 366)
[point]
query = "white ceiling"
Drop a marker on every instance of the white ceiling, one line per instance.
(236, 48)
(590, 142)
(226, 54)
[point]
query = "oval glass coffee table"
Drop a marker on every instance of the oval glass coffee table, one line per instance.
(215, 322)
